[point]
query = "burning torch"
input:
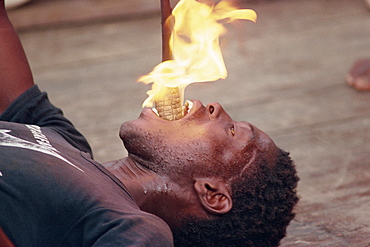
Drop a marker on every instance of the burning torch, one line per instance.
(190, 52)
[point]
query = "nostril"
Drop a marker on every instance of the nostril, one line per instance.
(211, 109)
(215, 111)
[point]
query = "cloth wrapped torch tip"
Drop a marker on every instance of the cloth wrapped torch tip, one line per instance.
(169, 107)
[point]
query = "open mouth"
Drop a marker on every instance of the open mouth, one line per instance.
(186, 108)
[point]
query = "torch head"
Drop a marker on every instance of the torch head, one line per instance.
(169, 106)
(195, 53)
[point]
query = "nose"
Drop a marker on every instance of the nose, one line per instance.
(216, 111)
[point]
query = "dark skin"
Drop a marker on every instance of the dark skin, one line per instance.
(358, 76)
(188, 164)
(174, 168)
(16, 76)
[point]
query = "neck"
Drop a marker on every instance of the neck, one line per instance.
(143, 183)
(153, 193)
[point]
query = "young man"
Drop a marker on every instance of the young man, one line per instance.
(212, 181)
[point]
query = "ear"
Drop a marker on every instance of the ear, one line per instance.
(213, 195)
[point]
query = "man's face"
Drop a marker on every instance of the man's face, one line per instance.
(206, 142)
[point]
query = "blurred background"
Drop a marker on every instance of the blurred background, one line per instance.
(286, 76)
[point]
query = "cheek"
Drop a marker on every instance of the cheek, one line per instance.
(189, 159)
(164, 151)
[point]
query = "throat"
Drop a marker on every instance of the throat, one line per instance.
(140, 180)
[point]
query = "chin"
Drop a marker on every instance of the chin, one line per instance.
(162, 145)
(144, 145)
(156, 151)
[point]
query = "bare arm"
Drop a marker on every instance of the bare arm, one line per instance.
(4, 240)
(15, 72)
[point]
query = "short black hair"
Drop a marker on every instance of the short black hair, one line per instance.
(263, 202)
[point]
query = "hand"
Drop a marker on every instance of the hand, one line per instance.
(359, 75)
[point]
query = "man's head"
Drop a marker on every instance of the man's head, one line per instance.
(263, 201)
(223, 165)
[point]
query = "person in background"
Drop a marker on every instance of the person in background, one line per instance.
(358, 76)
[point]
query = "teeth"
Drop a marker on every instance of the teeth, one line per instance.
(155, 111)
(188, 105)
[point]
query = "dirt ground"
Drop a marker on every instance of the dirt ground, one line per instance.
(286, 76)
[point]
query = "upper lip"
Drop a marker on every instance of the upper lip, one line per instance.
(196, 106)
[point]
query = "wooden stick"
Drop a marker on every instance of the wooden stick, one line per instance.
(169, 107)
(166, 12)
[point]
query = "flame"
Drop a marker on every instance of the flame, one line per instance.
(195, 47)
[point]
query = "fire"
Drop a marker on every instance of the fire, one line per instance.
(195, 47)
